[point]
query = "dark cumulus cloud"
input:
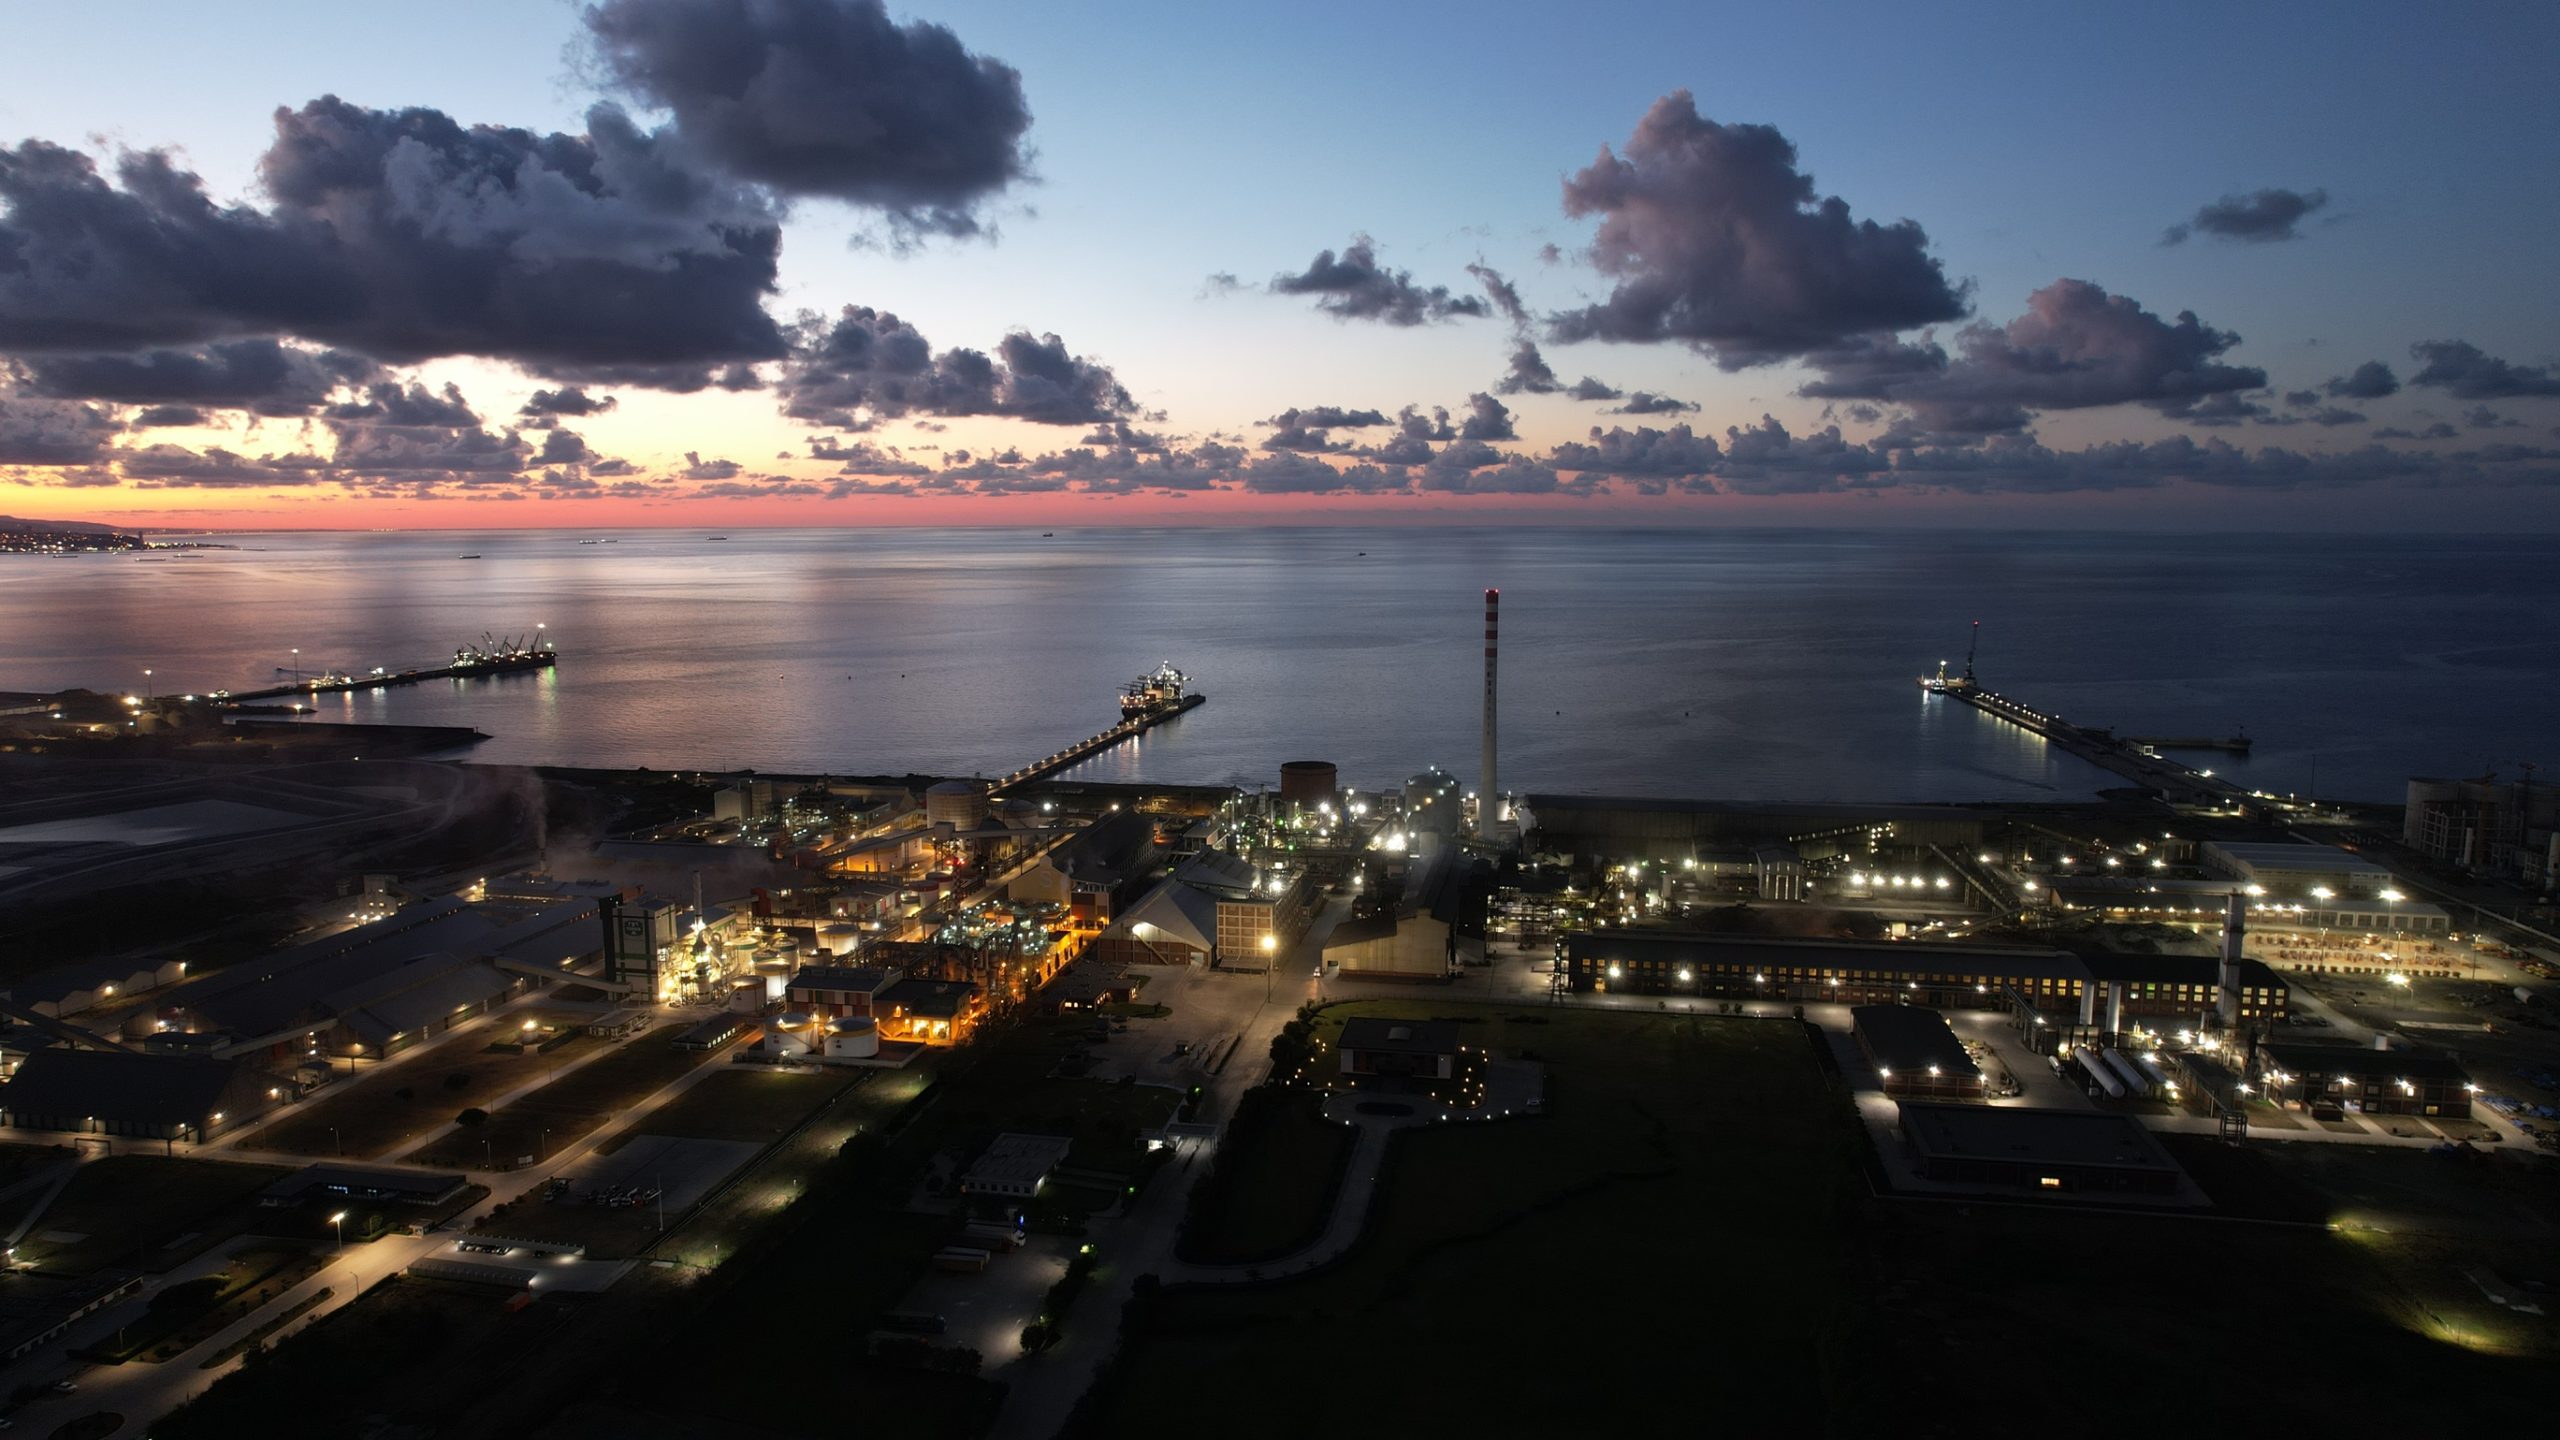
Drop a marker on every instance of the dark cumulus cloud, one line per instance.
(568, 400)
(868, 365)
(264, 376)
(1416, 433)
(2258, 218)
(1641, 455)
(1645, 402)
(2371, 380)
(1487, 419)
(2463, 371)
(1504, 295)
(1588, 388)
(35, 430)
(1717, 240)
(1529, 373)
(825, 98)
(2076, 347)
(1309, 429)
(402, 236)
(1354, 286)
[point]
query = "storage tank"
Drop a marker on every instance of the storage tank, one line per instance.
(960, 804)
(854, 1037)
(790, 1034)
(1306, 784)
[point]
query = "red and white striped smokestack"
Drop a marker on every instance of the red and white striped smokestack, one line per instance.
(1489, 803)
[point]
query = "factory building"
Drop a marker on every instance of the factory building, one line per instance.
(1399, 1049)
(2373, 1082)
(1594, 827)
(929, 1012)
(641, 934)
(1215, 909)
(71, 989)
(2286, 868)
(1416, 938)
(1434, 802)
(836, 990)
(2194, 901)
(1098, 872)
(382, 987)
(2098, 992)
(1778, 872)
(2486, 824)
(1915, 1053)
(2029, 1149)
(1856, 972)
(119, 1092)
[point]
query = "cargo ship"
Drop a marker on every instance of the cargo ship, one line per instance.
(493, 656)
(1150, 694)
(1944, 684)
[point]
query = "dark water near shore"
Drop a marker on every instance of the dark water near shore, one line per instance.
(1742, 664)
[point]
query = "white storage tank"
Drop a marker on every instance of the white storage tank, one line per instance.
(790, 1034)
(853, 1037)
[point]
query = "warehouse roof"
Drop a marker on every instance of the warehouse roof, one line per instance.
(296, 986)
(416, 995)
(930, 998)
(2087, 1139)
(2368, 1064)
(1108, 852)
(1926, 957)
(367, 1182)
(119, 1086)
(2130, 969)
(1400, 1037)
(2294, 855)
(853, 979)
(1911, 1038)
(1185, 915)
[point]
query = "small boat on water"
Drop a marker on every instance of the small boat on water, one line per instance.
(466, 557)
(719, 537)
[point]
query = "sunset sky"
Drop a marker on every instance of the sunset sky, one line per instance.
(650, 262)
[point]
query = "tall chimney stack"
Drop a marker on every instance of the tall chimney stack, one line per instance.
(1489, 803)
(2227, 995)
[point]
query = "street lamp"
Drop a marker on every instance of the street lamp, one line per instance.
(340, 1220)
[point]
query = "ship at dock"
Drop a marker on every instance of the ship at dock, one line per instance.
(494, 656)
(1944, 684)
(1153, 694)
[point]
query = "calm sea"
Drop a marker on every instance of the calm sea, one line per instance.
(1742, 664)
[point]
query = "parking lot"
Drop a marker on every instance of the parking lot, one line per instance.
(988, 1309)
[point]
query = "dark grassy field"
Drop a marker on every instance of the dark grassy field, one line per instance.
(1278, 1167)
(368, 1115)
(2347, 1334)
(565, 1110)
(743, 1102)
(1675, 1216)
(1683, 1235)
(410, 1353)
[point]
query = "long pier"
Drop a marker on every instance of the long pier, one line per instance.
(1086, 748)
(385, 679)
(2103, 748)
